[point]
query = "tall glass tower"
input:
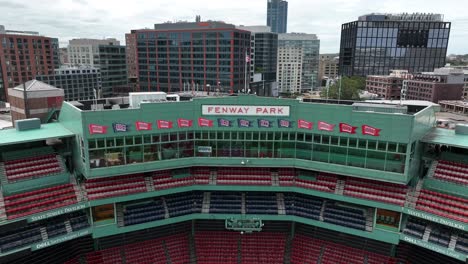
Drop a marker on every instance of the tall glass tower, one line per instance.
(375, 44)
(277, 15)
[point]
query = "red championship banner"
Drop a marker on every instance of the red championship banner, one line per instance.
(203, 122)
(140, 125)
(304, 124)
(372, 131)
(184, 122)
(325, 126)
(164, 124)
(345, 128)
(97, 129)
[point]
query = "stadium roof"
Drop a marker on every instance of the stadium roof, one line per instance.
(446, 137)
(47, 131)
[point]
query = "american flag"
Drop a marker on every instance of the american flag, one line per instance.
(119, 127)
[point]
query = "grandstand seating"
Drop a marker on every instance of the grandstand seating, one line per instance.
(325, 182)
(261, 203)
(114, 186)
(201, 175)
(304, 206)
(376, 190)
(151, 251)
(243, 176)
(444, 205)
(31, 233)
(415, 228)
(106, 256)
(32, 167)
(452, 172)
(307, 250)
(23, 204)
(440, 236)
(462, 243)
(184, 204)
(216, 247)
(263, 247)
(144, 212)
(345, 216)
(286, 176)
(164, 180)
(225, 203)
(178, 248)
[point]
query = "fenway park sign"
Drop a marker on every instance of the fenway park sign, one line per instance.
(245, 110)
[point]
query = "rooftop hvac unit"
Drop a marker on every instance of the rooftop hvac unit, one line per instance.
(135, 99)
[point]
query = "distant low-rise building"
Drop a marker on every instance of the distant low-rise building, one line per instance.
(328, 66)
(441, 84)
(78, 83)
(34, 99)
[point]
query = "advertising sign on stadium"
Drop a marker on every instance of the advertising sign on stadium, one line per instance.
(204, 149)
(245, 110)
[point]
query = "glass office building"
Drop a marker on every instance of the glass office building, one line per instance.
(277, 15)
(379, 43)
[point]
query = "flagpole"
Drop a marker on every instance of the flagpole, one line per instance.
(245, 73)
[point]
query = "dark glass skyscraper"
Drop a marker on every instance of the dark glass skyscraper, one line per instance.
(378, 43)
(277, 15)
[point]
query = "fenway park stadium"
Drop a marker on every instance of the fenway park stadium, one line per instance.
(234, 179)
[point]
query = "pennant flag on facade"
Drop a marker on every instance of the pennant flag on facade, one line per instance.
(264, 123)
(304, 124)
(97, 129)
(119, 127)
(346, 128)
(372, 131)
(203, 122)
(184, 122)
(284, 123)
(224, 122)
(164, 124)
(140, 125)
(325, 126)
(244, 123)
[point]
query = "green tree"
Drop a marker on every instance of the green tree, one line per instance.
(350, 88)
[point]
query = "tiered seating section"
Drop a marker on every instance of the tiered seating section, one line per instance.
(150, 251)
(27, 235)
(261, 203)
(189, 203)
(216, 247)
(324, 182)
(144, 212)
(303, 205)
(345, 216)
(32, 167)
(307, 250)
(243, 176)
(23, 204)
(164, 180)
(114, 186)
(263, 247)
(437, 234)
(225, 203)
(452, 172)
(444, 205)
(376, 190)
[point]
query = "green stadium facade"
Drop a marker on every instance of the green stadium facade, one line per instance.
(235, 179)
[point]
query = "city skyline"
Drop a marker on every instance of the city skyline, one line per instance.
(85, 19)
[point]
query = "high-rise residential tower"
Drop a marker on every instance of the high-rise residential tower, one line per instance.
(375, 44)
(263, 54)
(298, 62)
(204, 56)
(105, 54)
(23, 55)
(277, 15)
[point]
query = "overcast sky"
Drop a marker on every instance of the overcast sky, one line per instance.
(67, 19)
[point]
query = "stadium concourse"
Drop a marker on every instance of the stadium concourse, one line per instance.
(236, 179)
